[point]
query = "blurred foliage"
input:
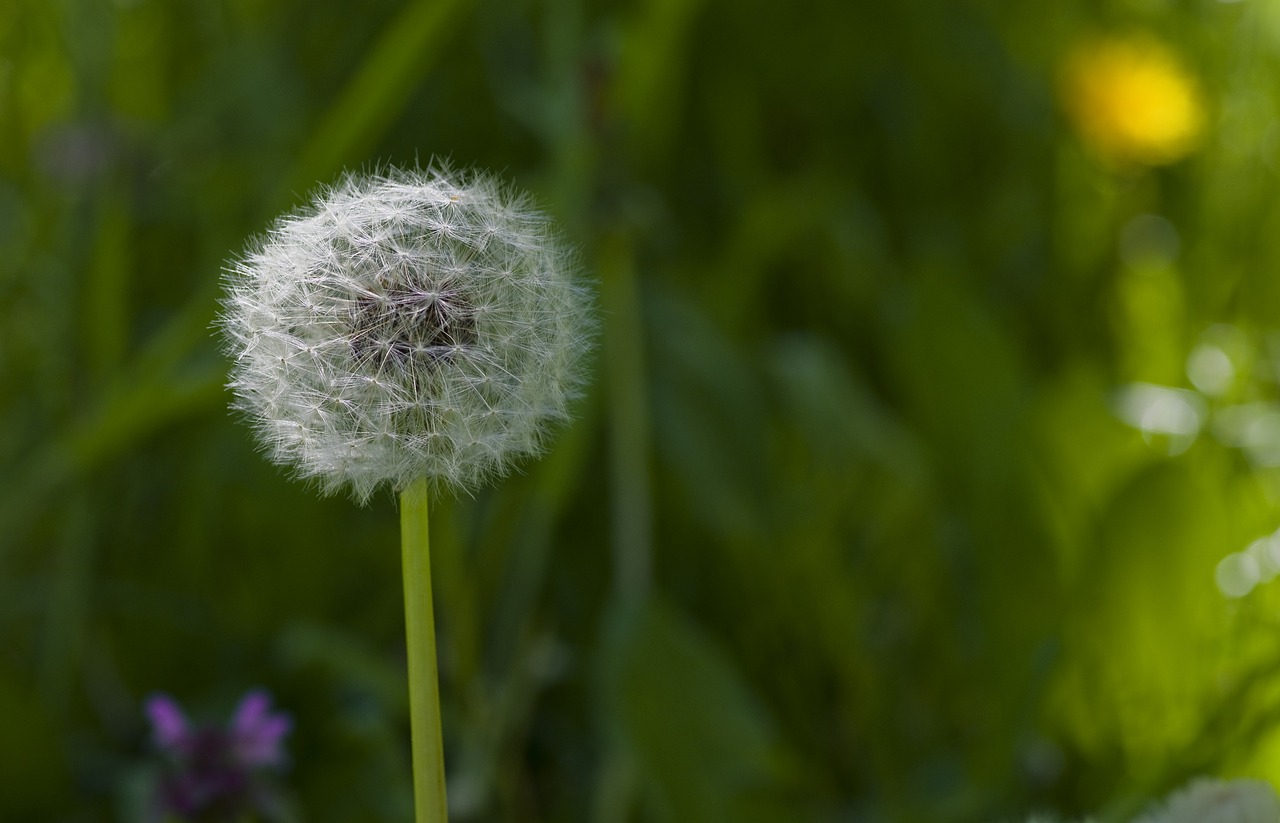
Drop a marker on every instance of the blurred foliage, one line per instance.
(923, 478)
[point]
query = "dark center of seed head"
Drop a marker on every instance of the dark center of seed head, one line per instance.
(401, 327)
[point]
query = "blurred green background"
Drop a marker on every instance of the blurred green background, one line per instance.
(930, 470)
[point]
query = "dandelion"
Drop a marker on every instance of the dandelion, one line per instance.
(1132, 101)
(406, 325)
(415, 330)
(217, 773)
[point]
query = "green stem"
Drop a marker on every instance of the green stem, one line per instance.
(420, 634)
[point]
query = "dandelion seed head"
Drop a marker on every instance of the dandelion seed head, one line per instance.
(406, 324)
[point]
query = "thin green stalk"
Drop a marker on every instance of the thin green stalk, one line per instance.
(420, 633)
(629, 420)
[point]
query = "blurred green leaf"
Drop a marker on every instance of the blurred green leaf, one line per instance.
(377, 91)
(704, 745)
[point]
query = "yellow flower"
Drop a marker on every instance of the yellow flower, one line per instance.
(1132, 101)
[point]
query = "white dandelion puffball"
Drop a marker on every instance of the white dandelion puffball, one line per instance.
(406, 324)
(1218, 801)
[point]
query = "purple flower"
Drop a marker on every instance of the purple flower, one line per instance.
(213, 773)
(168, 723)
(256, 733)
